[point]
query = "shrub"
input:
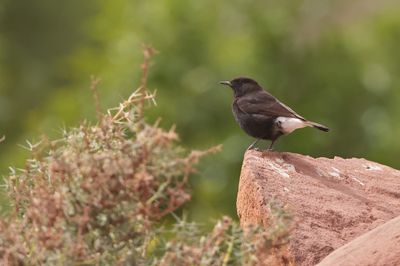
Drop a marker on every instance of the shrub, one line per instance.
(95, 197)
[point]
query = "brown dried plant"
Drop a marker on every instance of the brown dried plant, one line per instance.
(94, 197)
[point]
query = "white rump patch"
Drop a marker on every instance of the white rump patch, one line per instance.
(289, 124)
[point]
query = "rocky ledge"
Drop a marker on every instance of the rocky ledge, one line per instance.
(333, 201)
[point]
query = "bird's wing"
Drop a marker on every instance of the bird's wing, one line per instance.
(263, 103)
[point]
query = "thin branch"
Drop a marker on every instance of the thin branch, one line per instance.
(93, 87)
(123, 112)
(148, 52)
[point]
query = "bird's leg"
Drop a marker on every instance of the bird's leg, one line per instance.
(252, 144)
(271, 145)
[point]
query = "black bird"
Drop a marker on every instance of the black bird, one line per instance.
(261, 115)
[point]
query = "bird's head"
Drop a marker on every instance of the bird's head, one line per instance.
(242, 86)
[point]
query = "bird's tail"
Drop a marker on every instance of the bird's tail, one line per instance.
(317, 126)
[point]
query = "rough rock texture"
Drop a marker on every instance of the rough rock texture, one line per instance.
(380, 246)
(333, 201)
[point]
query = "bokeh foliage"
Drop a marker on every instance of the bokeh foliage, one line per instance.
(335, 62)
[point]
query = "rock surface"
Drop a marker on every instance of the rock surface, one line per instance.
(380, 246)
(333, 201)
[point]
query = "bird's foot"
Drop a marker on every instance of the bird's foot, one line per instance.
(253, 144)
(270, 148)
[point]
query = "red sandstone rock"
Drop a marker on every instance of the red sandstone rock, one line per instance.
(333, 201)
(380, 246)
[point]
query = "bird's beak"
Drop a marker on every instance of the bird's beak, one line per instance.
(225, 82)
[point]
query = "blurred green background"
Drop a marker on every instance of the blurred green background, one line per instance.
(335, 62)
